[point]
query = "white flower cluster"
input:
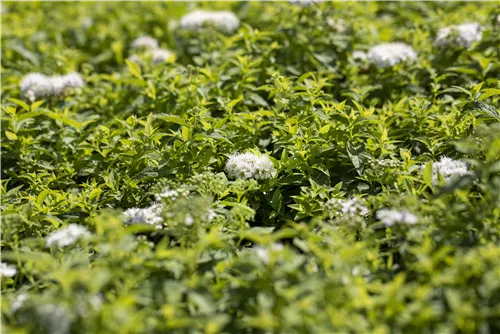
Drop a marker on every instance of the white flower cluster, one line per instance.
(36, 85)
(159, 56)
(349, 208)
(304, 3)
(7, 270)
(144, 42)
(462, 35)
(249, 165)
(223, 20)
(153, 51)
(389, 54)
(67, 236)
(390, 217)
(151, 215)
(171, 194)
(167, 193)
(448, 168)
(359, 55)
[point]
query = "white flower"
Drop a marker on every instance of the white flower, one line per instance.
(36, 85)
(448, 168)
(167, 193)
(304, 3)
(67, 236)
(151, 215)
(390, 217)
(18, 302)
(188, 220)
(249, 165)
(389, 54)
(223, 20)
(359, 55)
(144, 42)
(73, 80)
(58, 84)
(7, 270)
(350, 208)
(160, 55)
(463, 35)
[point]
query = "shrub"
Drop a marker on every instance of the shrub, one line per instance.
(252, 178)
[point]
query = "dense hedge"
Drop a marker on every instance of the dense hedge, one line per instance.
(340, 217)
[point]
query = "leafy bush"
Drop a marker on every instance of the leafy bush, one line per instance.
(367, 200)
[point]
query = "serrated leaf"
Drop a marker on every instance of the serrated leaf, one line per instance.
(482, 107)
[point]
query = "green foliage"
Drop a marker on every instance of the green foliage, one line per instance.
(273, 257)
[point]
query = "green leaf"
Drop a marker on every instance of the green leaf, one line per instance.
(482, 107)
(28, 115)
(428, 174)
(489, 93)
(325, 129)
(354, 155)
(172, 119)
(20, 103)
(277, 200)
(64, 119)
(41, 196)
(186, 134)
(134, 69)
(456, 89)
(10, 135)
(36, 104)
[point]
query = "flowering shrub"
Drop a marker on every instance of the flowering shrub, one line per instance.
(250, 167)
